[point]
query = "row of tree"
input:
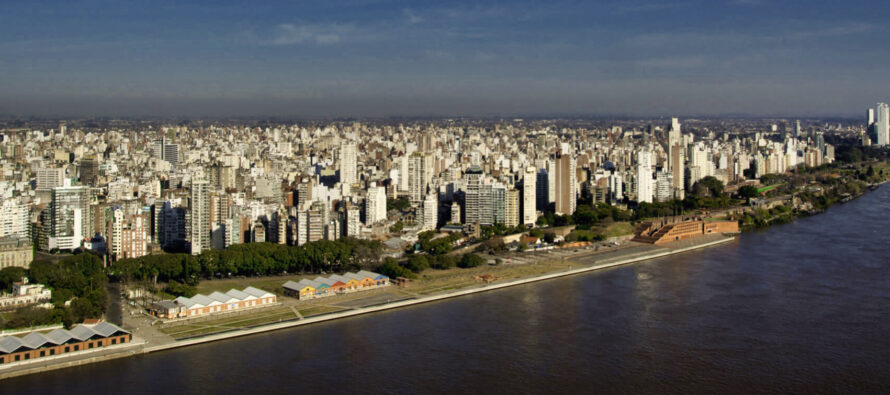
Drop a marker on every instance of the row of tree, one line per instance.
(252, 259)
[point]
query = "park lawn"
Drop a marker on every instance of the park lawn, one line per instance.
(433, 281)
(261, 317)
(319, 310)
(615, 229)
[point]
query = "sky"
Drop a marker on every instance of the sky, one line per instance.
(379, 58)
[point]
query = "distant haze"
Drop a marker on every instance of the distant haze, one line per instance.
(401, 58)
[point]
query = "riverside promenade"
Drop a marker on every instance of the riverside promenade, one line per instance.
(590, 263)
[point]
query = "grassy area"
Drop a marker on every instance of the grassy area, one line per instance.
(318, 310)
(271, 284)
(264, 316)
(432, 281)
(614, 229)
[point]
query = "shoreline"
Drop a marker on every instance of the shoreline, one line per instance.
(22, 370)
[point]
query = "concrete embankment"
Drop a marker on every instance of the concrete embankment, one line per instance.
(363, 310)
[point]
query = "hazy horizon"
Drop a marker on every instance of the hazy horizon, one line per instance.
(379, 58)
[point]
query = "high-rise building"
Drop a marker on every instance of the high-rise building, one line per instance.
(49, 178)
(566, 194)
(417, 175)
(678, 171)
(511, 207)
(13, 218)
(644, 177)
(89, 170)
(455, 213)
(199, 215)
(664, 186)
(429, 211)
(529, 196)
(353, 222)
(161, 149)
(542, 195)
(375, 204)
(472, 199)
(882, 124)
(70, 217)
(348, 163)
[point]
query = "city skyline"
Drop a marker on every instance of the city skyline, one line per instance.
(391, 58)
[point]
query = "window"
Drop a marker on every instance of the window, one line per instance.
(27, 356)
(113, 341)
(76, 347)
(67, 348)
(42, 353)
(90, 345)
(18, 357)
(52, 351)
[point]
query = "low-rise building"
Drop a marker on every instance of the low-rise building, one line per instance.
(61, 341)
(16, 252)
(200, 305)
(362, 280)
(24, 294)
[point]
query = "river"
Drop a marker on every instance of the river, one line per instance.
(802, 307)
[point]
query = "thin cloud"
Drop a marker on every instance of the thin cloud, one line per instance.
(836, 31)
(290, 34)
(412, 18)
(651, 7)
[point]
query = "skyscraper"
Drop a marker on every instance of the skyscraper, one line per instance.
(882, 124)
(529, 196)
(511, 207)
(89, 170)
(417, 170)
(199, 206)
(70, 221)
(375, 204)
(430, 212)
(644, 177)
(565, 184)
(347, 163)
(472, 199)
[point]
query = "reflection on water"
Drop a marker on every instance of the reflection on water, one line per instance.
(803, 307)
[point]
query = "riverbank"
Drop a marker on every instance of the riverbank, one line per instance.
(616, 258)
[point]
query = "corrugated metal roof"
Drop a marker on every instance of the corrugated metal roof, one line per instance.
(35, 340)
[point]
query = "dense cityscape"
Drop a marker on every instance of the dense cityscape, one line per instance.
(444, 197)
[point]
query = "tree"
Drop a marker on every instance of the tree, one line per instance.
(549, 237)
(708, 187)
(493, 245)
(417, 263)
(470, 260)
(748, 191)
(10, 275)
(391, 269)
(443, 262)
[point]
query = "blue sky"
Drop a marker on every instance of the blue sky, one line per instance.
(382, 58)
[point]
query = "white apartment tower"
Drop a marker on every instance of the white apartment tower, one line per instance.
(529, 196)
(199, 207)
(375, 204)
(348, 163)
(882, 124)
(644, 177)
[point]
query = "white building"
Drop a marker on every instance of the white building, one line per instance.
(882, 124)
(375, 204)
(348, 163)
(645, 187)
(529, 196)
